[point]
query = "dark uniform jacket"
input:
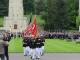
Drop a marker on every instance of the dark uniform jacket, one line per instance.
(25, 42)
(38, 43)
(32, 43)
(42, 41)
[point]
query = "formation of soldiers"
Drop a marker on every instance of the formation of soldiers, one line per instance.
(33, 46)
(62, 35)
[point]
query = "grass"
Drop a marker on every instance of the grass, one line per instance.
(61, 46)
(15, 45)
(51, 46)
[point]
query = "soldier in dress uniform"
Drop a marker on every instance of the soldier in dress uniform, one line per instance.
(32, 45)
(26, 42)
(42, 44)
(24, 45)
(38, 47)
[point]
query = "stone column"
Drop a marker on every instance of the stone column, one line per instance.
(15, 16)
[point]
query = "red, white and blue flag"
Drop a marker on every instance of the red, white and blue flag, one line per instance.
(31, 28)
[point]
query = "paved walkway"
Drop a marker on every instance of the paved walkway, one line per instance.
(48, 56)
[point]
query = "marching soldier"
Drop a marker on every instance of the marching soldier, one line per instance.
(32, 46)
(26, 46)
(42, 45)
(38, 47)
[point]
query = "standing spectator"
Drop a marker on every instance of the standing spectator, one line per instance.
(8, 37)
(5, 39)
(1, 47)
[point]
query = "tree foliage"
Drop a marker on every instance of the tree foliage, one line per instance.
(40, 7)
(58, 14)
(28, 6)
(61, 14)
(4, 7)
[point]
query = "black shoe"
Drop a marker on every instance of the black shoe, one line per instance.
(31, 57)
(37, 58)
(42, 54)
(25, 55)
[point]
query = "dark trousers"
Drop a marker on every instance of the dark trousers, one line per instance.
(6, 52)
(2, 57)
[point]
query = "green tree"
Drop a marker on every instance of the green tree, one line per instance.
(4, 7)
(56, 14)
(72, 7)
(40, 6)
(61, 14)
(28, 6)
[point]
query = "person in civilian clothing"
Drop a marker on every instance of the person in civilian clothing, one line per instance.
(5, 39)
(2, 47)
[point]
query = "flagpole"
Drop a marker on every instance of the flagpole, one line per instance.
(30, 18)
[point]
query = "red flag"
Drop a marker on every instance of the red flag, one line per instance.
(34, 27)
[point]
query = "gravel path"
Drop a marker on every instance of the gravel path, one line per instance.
(48, 56)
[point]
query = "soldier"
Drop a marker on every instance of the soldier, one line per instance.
(38, 47)
(24, 45)
(32, 46)
(42, 45)
(1, 47)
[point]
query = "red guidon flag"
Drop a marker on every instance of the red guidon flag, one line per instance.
(34, 27)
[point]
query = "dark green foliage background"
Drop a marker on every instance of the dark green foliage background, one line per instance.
(58, 14)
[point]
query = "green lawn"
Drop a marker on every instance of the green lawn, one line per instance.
(15, 45)
(51, 45)
(57, 45)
